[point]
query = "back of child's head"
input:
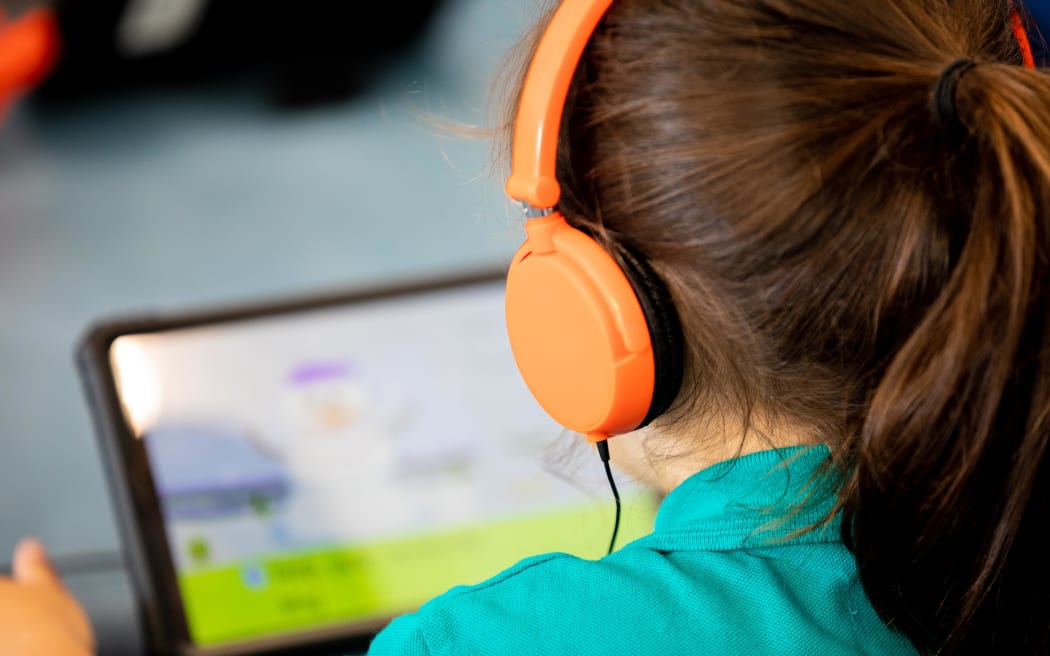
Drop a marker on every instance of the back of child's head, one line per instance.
(852, 251)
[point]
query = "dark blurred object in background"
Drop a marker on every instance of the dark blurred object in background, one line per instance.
(1040, 13)
(306, 52)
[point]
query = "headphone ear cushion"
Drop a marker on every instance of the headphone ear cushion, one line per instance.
(665, 329)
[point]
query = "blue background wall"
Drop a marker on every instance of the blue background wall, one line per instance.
(195, 198)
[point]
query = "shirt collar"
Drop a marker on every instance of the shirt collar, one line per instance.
(769, 497)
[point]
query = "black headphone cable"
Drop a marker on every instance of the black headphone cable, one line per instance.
(603, 453)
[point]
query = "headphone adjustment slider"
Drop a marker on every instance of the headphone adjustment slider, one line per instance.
(531, 212)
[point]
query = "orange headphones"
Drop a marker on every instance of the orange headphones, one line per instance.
(598, 343)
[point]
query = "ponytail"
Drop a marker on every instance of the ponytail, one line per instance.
(948, 504)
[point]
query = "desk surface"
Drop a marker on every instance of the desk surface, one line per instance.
(184, 198)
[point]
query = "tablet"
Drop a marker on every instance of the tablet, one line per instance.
(296, 473)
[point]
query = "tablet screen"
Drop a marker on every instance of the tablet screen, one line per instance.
(342, 465)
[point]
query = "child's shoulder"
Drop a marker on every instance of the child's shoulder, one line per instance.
(642, 600)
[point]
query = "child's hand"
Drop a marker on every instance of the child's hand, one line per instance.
(37, 614)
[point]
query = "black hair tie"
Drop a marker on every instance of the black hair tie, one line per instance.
(944, 110)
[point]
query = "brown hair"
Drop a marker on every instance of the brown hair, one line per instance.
(843, 261)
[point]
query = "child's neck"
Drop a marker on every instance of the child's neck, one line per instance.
(662, 457)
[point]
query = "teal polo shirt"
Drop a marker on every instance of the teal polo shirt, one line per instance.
(724, 572)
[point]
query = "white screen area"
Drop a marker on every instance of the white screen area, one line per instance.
(346, 425)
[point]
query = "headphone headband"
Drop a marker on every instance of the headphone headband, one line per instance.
(535, 146)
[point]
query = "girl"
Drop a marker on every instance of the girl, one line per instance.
(847, 207)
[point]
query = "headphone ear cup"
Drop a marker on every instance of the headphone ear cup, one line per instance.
(578, 332)
(665, 330)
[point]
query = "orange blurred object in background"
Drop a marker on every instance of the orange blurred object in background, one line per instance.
(29, 47)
